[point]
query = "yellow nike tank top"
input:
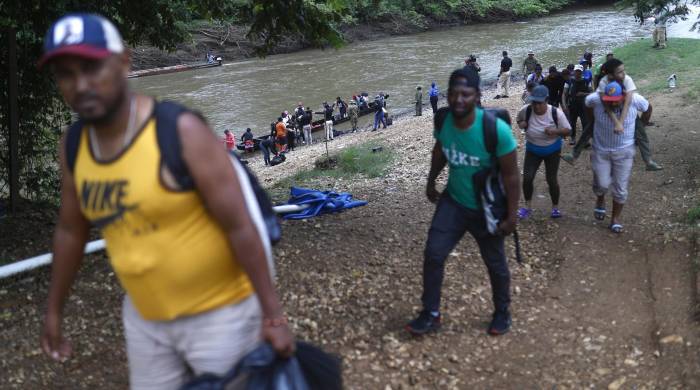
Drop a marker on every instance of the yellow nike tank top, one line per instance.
(169, 254)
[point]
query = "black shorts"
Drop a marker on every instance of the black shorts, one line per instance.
(281, 140)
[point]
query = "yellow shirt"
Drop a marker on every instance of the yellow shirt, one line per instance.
(169, 254)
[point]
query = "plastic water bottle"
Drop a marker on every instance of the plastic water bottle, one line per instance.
(672, 81)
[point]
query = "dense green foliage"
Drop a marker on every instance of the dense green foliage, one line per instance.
(672, 9)
(416, 11)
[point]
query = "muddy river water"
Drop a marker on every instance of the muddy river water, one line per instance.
(252, 93)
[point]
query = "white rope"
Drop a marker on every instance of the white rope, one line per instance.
(92, 247)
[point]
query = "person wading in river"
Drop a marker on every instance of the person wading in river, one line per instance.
(504, 76)
(199, 292)
(460, 143)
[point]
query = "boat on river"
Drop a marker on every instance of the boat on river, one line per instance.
(174, 69)
(318, 124)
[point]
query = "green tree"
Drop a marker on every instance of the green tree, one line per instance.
(672, 9)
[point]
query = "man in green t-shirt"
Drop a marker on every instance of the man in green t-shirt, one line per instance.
(460, 143)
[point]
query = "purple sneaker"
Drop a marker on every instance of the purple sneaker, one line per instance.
(556, 213)
(524, 213)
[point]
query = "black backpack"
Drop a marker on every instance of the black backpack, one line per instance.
(488, 183)
(528, 114)
(166, 114)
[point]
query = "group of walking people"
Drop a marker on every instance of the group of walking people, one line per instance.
(606, 101)
(197, 267)
(613, 117)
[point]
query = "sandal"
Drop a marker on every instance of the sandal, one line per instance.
(616, 228)
(555, 213)
(599, 213)
(524, 213)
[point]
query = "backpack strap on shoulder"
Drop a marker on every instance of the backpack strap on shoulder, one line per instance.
(490, 136)
(528, 114)
(73, 143)
(439, 118)
(167, 113)
(555, 117)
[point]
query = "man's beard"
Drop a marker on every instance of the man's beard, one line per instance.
(111, 111)
(465, 113)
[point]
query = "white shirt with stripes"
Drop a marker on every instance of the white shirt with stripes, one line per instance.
(604, 137)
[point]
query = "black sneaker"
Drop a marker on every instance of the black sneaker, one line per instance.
(497, 97)
(500, 324)
(425, 323)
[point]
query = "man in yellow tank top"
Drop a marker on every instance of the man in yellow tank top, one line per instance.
(195, 267)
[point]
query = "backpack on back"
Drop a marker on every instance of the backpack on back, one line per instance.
(528, 114)
(488, 183)
(167, 114)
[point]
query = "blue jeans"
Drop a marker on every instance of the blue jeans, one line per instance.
(379, 118)
(450, 222)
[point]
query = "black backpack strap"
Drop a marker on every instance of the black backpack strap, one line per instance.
(439, 118)
(73, 143)
(555, 117)
(528, 114)
(166, 114)
(491, 136)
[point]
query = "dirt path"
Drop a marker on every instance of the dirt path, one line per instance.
(591, 309)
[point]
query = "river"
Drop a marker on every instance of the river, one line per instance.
(252, 93)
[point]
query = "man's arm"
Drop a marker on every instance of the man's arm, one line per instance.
(218, 184)
(68, 246)
(511, 182)
(618, 124)
(626, 105)
(437, 163)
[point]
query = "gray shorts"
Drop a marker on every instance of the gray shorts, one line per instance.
(165, 354)
(611, 171)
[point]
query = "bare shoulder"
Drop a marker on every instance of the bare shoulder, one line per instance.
(192, 126)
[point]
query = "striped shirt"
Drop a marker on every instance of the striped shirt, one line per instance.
(604, 137)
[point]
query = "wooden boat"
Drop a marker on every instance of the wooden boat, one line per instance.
(173, 69)
(316, 125)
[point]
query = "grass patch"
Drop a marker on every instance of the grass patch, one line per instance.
(694, 215)
(651, 67)
(351, 162)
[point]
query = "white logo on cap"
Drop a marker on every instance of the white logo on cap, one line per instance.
(68, 31)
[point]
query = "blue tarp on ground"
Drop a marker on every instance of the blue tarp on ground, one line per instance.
(320, 202)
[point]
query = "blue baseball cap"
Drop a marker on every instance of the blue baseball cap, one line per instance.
(84, 35)
(539, 94)
(613, 92)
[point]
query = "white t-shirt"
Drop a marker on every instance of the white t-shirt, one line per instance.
(604, 137)
(628, 84)
(535, 129)
(533, 77)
